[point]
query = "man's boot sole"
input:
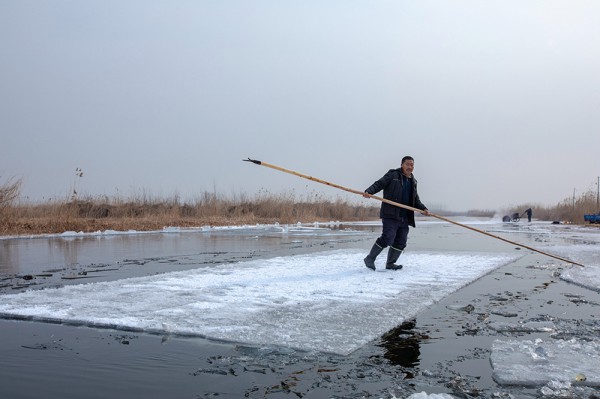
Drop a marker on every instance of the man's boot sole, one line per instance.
(393, 267)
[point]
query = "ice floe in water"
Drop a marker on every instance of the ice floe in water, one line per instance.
(424, 395)
(537, 363)
(327, 302)
(528, 326)
(588, 277)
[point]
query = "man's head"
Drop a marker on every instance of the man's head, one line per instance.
(408, 165)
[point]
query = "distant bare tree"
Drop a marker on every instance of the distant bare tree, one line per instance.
(9, 192)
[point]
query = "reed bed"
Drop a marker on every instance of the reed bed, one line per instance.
(145, 212)
(149, 213)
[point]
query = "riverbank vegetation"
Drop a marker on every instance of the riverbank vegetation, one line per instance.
(145, 212)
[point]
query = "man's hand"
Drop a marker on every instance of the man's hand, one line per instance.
(366, 195)
(426, 212)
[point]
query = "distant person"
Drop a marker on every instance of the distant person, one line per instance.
(398, 185)
(528, 212)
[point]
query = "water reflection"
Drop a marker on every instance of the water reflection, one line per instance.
(402, 345)
(8, 258)
(184, 249)
(68, 248)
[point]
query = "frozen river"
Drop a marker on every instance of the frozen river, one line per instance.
(300, 296)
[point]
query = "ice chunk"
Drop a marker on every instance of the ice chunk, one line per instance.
(328, 302)
(529, 326)
(537, 363)
(424, 395)
(588, 277)
(69, 233)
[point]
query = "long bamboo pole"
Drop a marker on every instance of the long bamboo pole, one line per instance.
(350, 190)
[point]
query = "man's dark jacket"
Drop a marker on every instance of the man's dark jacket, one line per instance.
(391, 184)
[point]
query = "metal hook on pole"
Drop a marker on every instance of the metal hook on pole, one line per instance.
(350, 190)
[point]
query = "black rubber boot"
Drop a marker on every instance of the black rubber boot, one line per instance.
(370, 259)
(392, 257)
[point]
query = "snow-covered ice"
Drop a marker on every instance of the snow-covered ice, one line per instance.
(327, 302)
(538, 362)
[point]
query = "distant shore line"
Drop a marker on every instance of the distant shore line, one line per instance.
(149, 214)
(90, 215)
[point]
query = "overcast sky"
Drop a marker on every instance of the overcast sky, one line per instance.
(497, 101)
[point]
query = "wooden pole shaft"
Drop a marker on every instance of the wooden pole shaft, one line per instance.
(350, 190)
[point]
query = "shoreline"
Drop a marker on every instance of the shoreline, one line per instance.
(28, 227)
(44, 226)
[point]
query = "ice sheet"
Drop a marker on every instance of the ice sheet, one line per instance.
(536, 363)
(588, 277)
(585, 252)
(326, 302)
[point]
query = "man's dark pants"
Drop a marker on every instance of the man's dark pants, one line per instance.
(394, 233)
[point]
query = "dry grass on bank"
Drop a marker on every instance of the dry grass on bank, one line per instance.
(145, 213)
(93, 214)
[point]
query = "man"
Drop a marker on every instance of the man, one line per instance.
(398, 185)
(528, 211)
